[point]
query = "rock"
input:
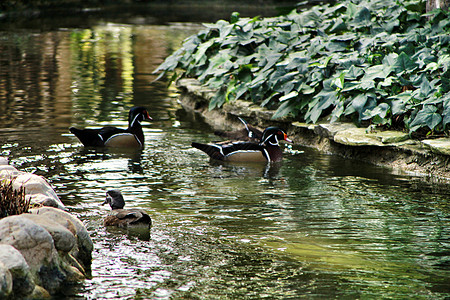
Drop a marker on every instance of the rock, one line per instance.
(441, 146)
(349, 134)
(15, 263)
(303, 125)
(40, 293)
(196, 88)
(38, 189)
(42, 250)
(45, 200)
(330, 130)
(390, 136)
(356, 137)
(63, 239)
(238, 108)
(7, 171)
(46, 248)
(82, 250)
(3, 160)
(6, 282)
(36, 186)
(265, 114)
(37, 247)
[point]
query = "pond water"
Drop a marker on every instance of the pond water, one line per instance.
(314, 226)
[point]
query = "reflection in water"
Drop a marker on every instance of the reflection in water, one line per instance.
(241, 169)
(314, 226)
(132, 233)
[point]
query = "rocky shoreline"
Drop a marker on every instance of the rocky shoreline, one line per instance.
(393, 149)
(44, 250)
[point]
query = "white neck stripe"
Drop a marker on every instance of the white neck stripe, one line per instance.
(134, 120)
(270, 142)
(267, 155)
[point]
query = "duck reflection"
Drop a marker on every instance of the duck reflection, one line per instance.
(91, 155)
(131, 233)
(256, 169)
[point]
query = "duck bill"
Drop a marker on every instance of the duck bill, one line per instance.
(287, 139)
(107, 200)
(147, 116)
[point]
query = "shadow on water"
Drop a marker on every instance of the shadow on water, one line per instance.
(314, 226)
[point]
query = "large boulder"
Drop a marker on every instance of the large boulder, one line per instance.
(22, 282)
(3, 161)
(37, 247)
(63, 239)
(44, 249)
(83, 247)
(6, 283)
(38, 189)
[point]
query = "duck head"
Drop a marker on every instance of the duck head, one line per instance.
(272, 136)
(115, 199)
(136, 115)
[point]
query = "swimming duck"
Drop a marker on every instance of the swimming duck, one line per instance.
(248, 133)
(268, 148)
(110, 136)
(124, 217)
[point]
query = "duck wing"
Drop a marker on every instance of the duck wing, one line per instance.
(254, 132)
(96, 137)
(128, 214)
(108, 131)
(134, 216)
(248, 133)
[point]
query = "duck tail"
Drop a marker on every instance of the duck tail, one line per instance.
(213, 151)
(88, 137)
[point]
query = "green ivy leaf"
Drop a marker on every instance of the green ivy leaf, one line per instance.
(354, 73)
(427, 116)
(398, 107)
(285, 108)
(445, 79)
(363, 17)
(404, 64)
(446, 113)
(338, 26)
(381, 111)
(349, 58)
(291, 95)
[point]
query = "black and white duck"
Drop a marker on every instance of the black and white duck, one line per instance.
(109, 136)
(268, 148)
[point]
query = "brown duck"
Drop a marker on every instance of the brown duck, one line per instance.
(124, 217)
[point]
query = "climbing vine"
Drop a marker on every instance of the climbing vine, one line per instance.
(379, 62)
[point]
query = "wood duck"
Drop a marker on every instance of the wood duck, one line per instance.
(268, 148)
(124, 217)
(110, 136)
(248, 133)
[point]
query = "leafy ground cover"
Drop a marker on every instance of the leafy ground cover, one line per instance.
(374, 62)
